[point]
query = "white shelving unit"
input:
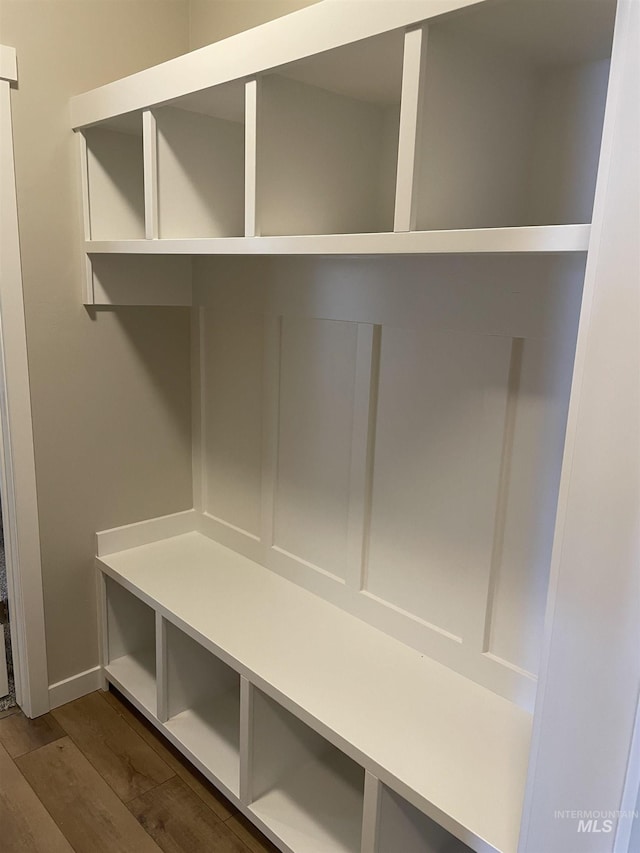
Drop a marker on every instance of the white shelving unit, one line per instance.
(381, 482)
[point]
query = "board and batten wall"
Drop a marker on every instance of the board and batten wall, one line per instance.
(395, 452)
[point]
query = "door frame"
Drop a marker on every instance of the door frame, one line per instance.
(17, 462)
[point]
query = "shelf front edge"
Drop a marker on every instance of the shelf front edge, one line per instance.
(530, 239)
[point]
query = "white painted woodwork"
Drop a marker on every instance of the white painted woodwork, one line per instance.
(150, 170)
(549, 238)
(138, 280)
(410, 131)
(204, 706)
(466, 770)
(200, 175)
(411, 481)
(322, 162)
(17, 465)
(317, 361)
(8, 64)
(439, 434)
(590, 661)
(388, 433)
(253, 98)
(162, 668)
(116, 183)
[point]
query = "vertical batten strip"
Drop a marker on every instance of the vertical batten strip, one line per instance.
(413, 76)
(513, 390)
(370, 813)
(251, 106)
(359, 476)
(246, 741)
(162, 686)
(270, 423)
(150, 154)
(198, 396)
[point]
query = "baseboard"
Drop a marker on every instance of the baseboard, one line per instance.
(74, 687)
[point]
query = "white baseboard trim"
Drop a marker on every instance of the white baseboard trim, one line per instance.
(74, 687)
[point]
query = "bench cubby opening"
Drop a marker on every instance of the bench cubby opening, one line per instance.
(303, 788)
(402, 827)
(131, 645)
(203, 706)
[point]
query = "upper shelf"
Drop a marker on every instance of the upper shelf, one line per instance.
(545, 238)
(431, 126)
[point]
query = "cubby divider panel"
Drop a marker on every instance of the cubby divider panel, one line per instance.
(115, 178)
(204, 706)
(131, 649)
(303, 788)
(401, 827)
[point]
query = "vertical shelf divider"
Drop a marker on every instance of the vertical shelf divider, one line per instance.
(251, 130)
(370, 813)
(103, 629)
(161, 669)
(246, 741)
(150, 155)
(413, 75)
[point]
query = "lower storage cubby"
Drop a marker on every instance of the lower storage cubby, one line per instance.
(304, 789)
(401, 828)
(131, 645)
(203, 704)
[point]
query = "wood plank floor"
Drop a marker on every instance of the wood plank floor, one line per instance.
(94, 776)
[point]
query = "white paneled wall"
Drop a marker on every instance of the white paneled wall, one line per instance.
(399, 457)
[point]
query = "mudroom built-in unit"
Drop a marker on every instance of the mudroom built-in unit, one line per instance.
(381, 223)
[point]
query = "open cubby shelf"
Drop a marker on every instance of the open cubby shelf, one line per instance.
(398, 140)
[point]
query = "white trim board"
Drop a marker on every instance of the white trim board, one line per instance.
(21, 525)
(75, 686)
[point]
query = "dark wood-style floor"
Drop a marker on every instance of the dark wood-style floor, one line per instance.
(94, 776)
